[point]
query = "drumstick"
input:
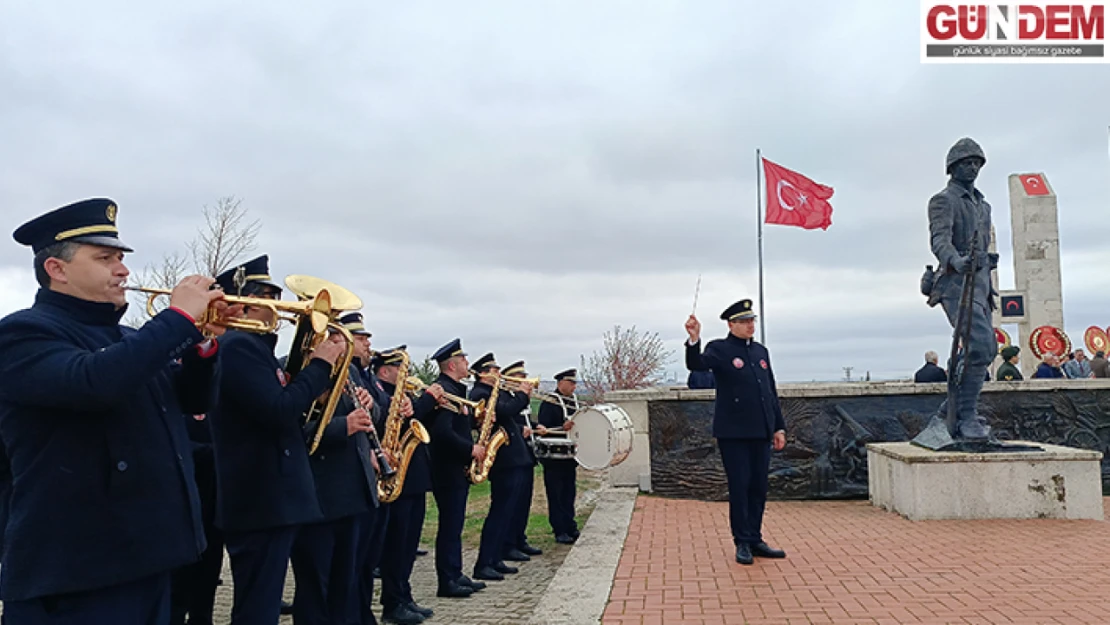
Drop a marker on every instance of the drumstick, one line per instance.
(697, 289)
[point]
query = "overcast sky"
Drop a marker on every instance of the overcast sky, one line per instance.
(527, 175)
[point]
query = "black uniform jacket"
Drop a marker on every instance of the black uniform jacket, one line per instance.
(747, 403)
(553, 416)
(451, 441)
(346, 483)
(262, 471)
(92, 416)
(418, 479)
(513, 454)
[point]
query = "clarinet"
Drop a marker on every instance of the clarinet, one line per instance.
(375, 444)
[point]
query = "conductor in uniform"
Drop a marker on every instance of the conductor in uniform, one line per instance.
(747, 421)
(102, 505)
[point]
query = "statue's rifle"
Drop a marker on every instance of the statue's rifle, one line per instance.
(961, 335)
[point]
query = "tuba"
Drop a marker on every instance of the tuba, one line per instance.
(400, 447)
(307, 337)
(492, 440)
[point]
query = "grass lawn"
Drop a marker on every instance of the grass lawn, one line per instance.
(477, 505)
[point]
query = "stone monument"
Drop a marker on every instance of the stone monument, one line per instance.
(1037, 299)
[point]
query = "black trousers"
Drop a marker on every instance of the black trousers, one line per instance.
(142, 602)
(746, 465)
(324, 557)
(402, 539)
(193, 590)
(519, 525)
(559, 478)
(505, 489)
(259, 560)
(371, 539)
(451, 502)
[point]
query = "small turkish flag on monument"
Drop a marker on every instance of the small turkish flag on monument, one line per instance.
(794, 200)
(1034, 184)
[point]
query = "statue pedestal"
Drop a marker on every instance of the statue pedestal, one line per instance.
(1057, 483)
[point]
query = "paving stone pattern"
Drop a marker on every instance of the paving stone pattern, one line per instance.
(848, 562)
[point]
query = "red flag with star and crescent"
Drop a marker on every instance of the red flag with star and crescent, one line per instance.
(794, 200)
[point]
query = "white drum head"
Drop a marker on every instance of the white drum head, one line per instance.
(603, 434)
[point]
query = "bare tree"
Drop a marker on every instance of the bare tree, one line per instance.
(226, 236)
(628, 360)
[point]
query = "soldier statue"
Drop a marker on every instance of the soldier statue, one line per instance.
(959, 234)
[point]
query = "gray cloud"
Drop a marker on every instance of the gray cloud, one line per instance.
(526, 177)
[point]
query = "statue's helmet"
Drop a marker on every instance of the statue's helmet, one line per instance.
(964, 148)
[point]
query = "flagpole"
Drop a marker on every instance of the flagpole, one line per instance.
(759, 225)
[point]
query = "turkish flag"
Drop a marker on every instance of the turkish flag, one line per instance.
(794, 200)
(1034, 184)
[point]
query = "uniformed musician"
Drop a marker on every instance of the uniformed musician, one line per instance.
(747, 421)
(325, 554)
(266, 490)
(506, 475)
(452, 450)
(517, 548)
(102, 505)
(406, 513)
(560, 475)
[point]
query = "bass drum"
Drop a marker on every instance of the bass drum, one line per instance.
(603, 436)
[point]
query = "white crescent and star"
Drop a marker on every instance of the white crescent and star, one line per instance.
(1032, 181)
(801, 196)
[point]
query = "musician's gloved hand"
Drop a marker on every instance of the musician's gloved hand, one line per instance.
(962, 264)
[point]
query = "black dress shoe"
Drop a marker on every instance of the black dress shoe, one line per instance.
(564, 539)
(744, 553)
(501, 567)
(469, 583)
(516, 555)
(488, 572)
(530, 550)
(286, 607)
(421, 610)
(402, 615)
(421, 552)
(575, 534)
(452, 589)
(763, 550)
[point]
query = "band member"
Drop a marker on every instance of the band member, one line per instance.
(265, 488)
(452, 450)
(747, 421)
(506, 476)
(406, 513)
(325, 554)
(371, 525)
(517, 548)
(559, 475)
(101, 503)
(193, 593)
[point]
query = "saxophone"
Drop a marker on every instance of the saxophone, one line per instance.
(400, 447)
(491, 440)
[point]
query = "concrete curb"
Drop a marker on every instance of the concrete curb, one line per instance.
(580, 589)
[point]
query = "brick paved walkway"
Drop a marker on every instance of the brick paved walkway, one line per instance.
(851, 563)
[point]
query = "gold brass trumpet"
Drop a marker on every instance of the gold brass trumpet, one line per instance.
(454, 402)
(317, 311)
(513, 383)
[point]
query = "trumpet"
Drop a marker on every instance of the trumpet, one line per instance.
(317, 310)
(454, 402)
(513, 383)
